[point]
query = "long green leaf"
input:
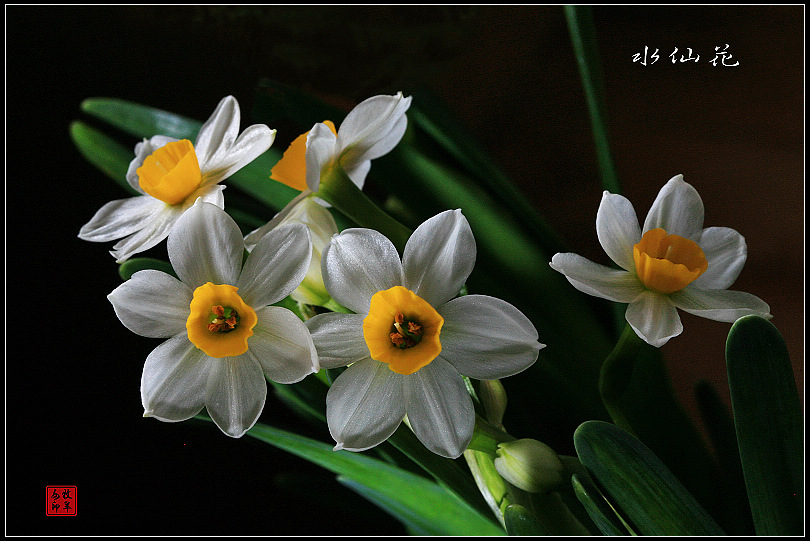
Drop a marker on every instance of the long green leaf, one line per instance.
(602, 514)
(583, 38)
(141, 120)
(638, 485)
(414, 498)
(444, 470)
(415, 523)
(109, 156)
(768, 420)
(520, 521)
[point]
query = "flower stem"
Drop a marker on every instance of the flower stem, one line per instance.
(338, 189)
(487, 436)
(638, 394)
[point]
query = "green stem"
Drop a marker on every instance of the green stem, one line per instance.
(617, 371)
(338, 189)
(487, 436)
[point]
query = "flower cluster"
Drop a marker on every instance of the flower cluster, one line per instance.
(408, 342)
(399, 322)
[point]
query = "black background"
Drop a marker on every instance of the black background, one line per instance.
(73, 411)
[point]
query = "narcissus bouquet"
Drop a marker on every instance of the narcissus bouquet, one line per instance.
(391, 315)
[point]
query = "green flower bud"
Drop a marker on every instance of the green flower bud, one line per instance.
(493, 397)
(529, 465)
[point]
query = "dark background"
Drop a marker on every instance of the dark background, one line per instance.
(73, 411)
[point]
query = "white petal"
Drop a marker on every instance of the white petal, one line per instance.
(142, 151)
(218, 133)
(654, 318)
(487, 338)
(357, 173)
(726, 252)
(155, 228)
(174, 379)
(290, 210)
(598, 280)
(235, 394)
(152, 303)
(209, 193)
(357, 264)
(439, 257)
(678, 209)
(338, 338)
(617, 229)
(372, 128)
(320, 152)
(365, 405)
(206, 245)
(282, 346)
(252, 143)
(276, 266)
(719, 304)
(119, 218)
(440, 409)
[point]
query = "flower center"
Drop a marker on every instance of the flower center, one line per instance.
(402, 330)
(171, 173)
(222, 319)
(219, 321)
(668, 263)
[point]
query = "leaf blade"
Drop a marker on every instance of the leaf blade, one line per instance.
(412, 496)
(638, 485)
(768, 422)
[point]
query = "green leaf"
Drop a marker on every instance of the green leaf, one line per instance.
(444, 470)
(412, 498)
(768, 420)
(141, 120)
(413, 522)
(583, 38)
(520, 521)
(638, 485)
(109, 156)
(131, 266)
(600, 511)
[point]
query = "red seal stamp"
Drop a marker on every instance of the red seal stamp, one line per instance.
(60, 500)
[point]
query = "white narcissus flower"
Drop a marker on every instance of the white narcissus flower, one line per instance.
(224, 338)
(411, 338)
(171, 174)
(670, 263)
(370, 130)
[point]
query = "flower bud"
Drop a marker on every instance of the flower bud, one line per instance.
(493, 397)
(529, 465)
(305, 210)
(321, 227)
